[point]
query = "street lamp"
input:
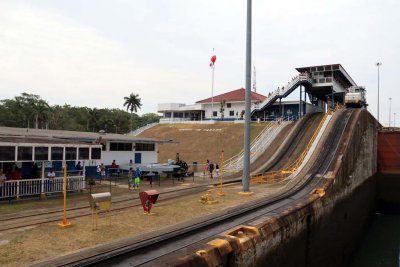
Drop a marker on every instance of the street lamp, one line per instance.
(378, 64)
(390, 109)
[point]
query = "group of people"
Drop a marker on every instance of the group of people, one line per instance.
(101, 171)
(14, 173)
(134, 178)
(209, 168)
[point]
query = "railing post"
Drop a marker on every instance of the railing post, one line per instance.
(17, 195)
(84, 176)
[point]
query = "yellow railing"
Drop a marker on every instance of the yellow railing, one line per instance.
(277, 176)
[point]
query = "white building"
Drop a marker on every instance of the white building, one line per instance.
(233, 105)
(121, 148)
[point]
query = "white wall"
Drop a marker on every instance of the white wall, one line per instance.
(235, 107)
(124, 157)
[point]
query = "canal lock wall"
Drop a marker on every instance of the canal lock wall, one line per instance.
(321, 229)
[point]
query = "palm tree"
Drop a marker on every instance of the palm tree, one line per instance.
(132, 103)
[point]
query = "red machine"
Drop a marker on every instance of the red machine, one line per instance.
(148, 198)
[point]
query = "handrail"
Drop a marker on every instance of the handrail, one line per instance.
(258, 146)
(280, 92)
(143, 128)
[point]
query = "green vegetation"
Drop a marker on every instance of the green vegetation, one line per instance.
(132, 103)
(31, 111)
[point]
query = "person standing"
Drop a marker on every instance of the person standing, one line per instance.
(16, 174)
(130, 178)
(103, 171)
(51, 175)
(137, 178)
(206, 168)
(217, 169)
(211, 169)
(98, 172)
(78, 168)
(34, 171)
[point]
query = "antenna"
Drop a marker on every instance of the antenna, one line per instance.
(254, 80)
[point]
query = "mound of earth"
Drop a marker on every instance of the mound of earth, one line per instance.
(199, 142)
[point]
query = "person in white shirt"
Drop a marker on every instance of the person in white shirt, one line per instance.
(51, 175)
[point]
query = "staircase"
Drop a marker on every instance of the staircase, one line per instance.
(144, 128)
(301, 79)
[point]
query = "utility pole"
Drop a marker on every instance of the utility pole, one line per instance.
(390, 110)
(378, 64)
(246, 143)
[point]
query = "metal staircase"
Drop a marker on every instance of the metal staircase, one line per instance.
(301, 79)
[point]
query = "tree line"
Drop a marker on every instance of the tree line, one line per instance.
(31, 111)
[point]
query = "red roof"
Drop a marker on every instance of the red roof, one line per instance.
(235, 95)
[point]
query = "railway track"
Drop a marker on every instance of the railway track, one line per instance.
(152, 249)
(26, 220)
(42, 217)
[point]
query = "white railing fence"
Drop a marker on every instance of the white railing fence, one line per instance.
(257, 147)
(31, 187)
(144, 128)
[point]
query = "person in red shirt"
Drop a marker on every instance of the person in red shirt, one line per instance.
(114, 167)
(16, 174)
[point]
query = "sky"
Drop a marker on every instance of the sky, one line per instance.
(94, 53)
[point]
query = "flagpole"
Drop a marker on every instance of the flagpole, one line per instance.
(212, 90)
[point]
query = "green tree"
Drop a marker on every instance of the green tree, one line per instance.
(33, 106)
(150, 118)
(132, 103)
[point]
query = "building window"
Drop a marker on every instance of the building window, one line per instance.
(120, 146)
(41, 153)
(83, 153)
(228, 105)
(56, 153)
(215, 113)
(231, 113)
(7, 153)
(70, 153)
(96, 153)
(25, 153)
(144, 147)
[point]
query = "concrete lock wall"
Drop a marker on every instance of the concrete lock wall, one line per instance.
(315, 230)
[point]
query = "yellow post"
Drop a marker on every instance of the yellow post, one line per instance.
(65, 223)
(220, 193)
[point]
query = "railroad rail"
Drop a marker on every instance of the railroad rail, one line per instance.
(151, 249)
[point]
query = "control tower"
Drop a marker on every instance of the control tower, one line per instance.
(325, 85)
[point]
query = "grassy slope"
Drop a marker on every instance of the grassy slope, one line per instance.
(201, 142)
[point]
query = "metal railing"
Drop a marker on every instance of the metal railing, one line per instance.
(143, 128)
(32, 187)
(280, 92)
(257, 147)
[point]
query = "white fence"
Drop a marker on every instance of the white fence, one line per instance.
(144, 128)
(185, 121)
(31, 187)
(257, 147)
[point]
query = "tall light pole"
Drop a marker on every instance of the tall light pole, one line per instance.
(378, 64)
(247, 117)
(390, 109)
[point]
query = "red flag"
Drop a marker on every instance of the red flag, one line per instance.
(213, 59)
